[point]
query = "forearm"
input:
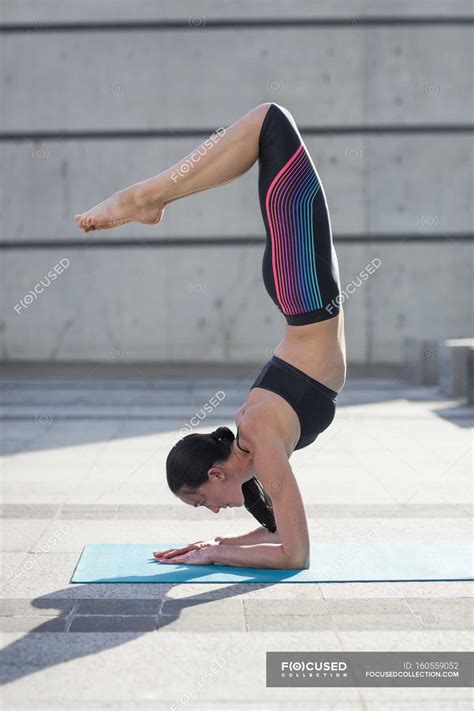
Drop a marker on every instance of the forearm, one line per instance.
(259, 535)
(263, 555)
(223, 157)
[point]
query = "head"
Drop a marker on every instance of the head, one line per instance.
(206, 470)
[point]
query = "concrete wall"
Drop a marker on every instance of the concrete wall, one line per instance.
(382, 106)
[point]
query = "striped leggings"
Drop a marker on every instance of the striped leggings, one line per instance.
(299, 268)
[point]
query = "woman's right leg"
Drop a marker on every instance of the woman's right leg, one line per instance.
(300, 268)
(220, 159)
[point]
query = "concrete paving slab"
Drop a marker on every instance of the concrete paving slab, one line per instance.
(408, 640)
(112, 623)
(285, 606)
(283, 623)
(203, 624)
(139, 531)
(422, 528)
(409, 699)
(444, 613)
(447, 621)
(383, 622)
(20, 535)
(353, 591)
(367, 606)
(261, 592)
(119, 607)
(32, 624)
(11, 570)
(38, 574)
(199, 606)
(39, 608)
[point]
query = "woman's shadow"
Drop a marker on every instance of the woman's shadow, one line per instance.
(77, 608)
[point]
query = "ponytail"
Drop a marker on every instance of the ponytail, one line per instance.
(258, 503)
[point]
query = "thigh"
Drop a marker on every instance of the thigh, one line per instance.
(299, 268)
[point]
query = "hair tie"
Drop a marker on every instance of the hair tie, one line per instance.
(218, 439)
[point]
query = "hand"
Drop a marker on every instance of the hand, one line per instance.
(194, 556)
(165, 555)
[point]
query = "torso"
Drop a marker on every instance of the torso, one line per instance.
(275, 414)
(318, 350)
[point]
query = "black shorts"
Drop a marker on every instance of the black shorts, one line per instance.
(313, 402)
(299, 268)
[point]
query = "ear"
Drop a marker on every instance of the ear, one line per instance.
(216, 472)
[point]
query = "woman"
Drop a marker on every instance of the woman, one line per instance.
(293, 398)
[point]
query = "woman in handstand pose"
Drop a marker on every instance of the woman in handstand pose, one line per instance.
(293, 398)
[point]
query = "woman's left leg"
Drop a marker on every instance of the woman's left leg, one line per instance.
(225, 156)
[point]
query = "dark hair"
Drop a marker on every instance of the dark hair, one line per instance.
(191, 458)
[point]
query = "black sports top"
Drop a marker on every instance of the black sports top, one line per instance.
(238, 445)
(313, 402)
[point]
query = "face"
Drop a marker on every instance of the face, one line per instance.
(219, 492)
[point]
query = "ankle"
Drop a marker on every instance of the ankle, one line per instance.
(147, 193)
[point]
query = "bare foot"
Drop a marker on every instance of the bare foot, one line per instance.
(129, 205)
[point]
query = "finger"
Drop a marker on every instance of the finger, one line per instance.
(165, 561)
(173, 551)
(173, 561)
(177, 551)
(162, 554)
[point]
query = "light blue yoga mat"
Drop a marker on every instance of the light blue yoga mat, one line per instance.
(330, 562)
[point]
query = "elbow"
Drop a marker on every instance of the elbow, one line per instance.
(297, 562)
(303, 565)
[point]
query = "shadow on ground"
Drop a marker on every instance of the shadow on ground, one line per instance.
(105, 628)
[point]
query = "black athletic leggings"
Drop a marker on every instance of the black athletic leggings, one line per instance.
(300, 268)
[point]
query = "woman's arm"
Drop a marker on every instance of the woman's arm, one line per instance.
(259, 535)
(263, 555)
(270, 460)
